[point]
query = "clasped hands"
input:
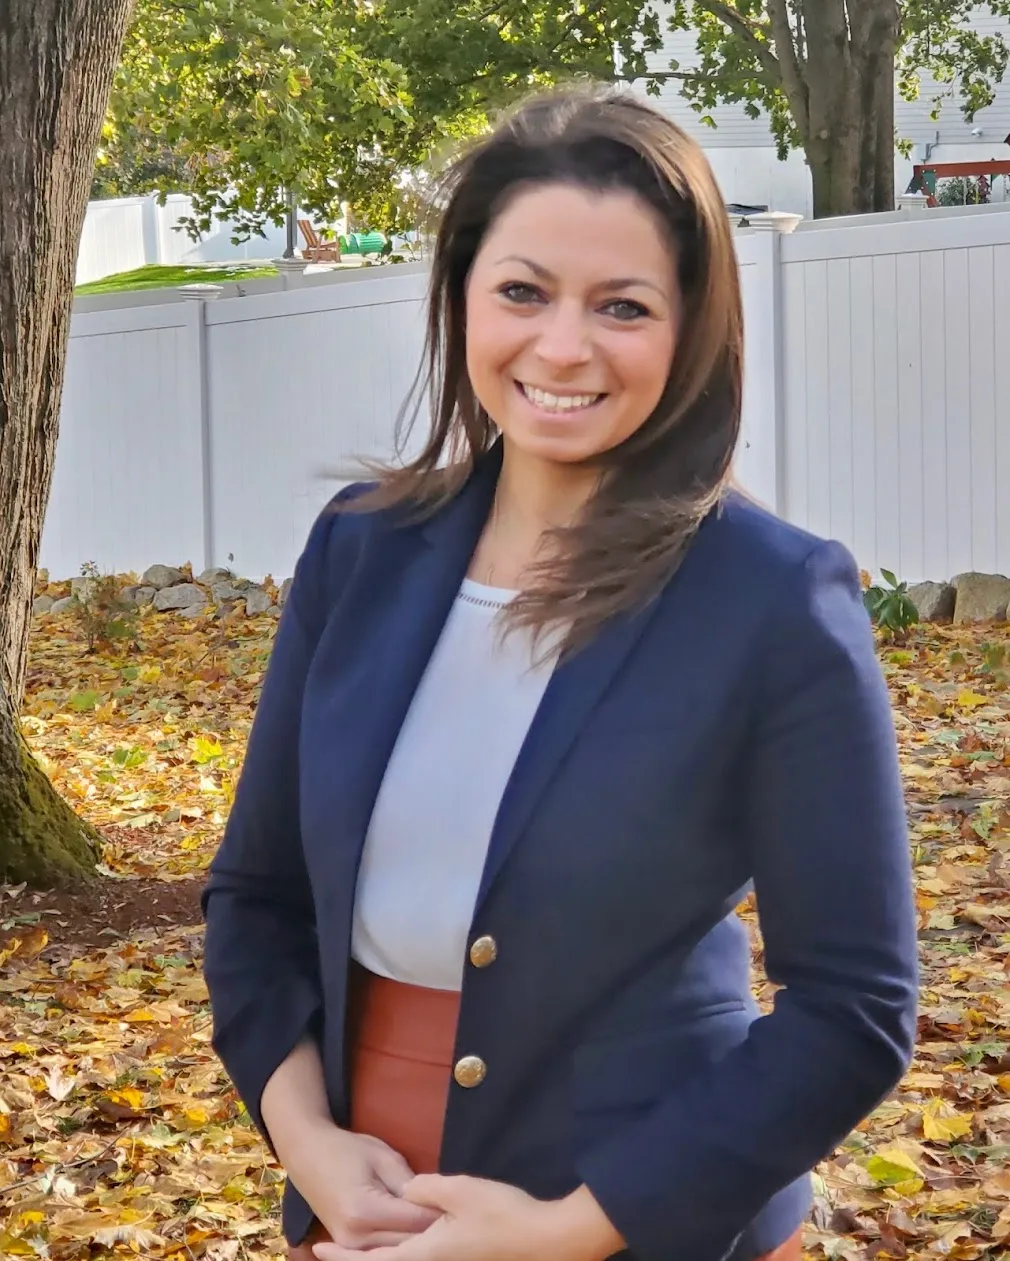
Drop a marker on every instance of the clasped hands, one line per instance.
(375, 1204)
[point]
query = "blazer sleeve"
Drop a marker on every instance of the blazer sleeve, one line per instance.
(824, 819)
(261, 958)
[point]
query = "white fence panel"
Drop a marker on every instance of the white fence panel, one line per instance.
(127, 488)
(130, 232)
(300, 384)
(896, 410)
(116, 237)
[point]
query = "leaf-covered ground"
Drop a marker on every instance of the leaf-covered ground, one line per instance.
(119, 1133)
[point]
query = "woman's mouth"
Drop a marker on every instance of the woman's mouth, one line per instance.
(557, 404)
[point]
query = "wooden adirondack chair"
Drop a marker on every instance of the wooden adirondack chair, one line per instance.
(315, 249)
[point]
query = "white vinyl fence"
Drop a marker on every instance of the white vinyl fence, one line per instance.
(129, 232)
(876, 408)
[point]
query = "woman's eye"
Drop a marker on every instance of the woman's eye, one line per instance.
(519, 293)
(626, 310)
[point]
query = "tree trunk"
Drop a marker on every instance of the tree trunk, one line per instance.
(57, 60)
(42, 841)
(848, 106)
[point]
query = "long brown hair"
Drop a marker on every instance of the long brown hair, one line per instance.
(660, 483)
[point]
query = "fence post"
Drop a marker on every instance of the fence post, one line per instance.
(766, 345)
(151, 229)
(291, 271)
(197, 297)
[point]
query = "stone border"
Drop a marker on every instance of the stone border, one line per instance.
(968, 599)
(167, 589)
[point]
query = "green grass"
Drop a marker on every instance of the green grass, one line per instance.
(158, 277)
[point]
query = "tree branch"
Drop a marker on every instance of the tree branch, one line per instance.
(696, 76)
(748, 32)
(792, 74)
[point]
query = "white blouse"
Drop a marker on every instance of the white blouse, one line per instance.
(429, 832)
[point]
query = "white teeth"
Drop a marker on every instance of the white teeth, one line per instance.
(559, 402)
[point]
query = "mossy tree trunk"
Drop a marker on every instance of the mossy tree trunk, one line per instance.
(57, 60)
(42, 841)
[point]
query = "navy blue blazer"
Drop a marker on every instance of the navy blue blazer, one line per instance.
(735, 730)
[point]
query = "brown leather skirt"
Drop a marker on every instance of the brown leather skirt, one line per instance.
(402, 1039)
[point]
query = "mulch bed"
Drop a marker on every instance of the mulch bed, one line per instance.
(99, 913)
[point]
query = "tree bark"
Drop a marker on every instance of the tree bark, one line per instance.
(57, 60)
(42, 841)
(849, 105)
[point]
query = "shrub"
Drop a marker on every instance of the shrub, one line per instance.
(891, 608)
(100, 610)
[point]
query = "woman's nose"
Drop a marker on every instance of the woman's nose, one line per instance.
(564, 339)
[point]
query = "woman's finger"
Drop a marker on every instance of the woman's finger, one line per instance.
(381, 1210)
(375, 1239)
(334, 1252)
(391, 1168)
(434, 1191)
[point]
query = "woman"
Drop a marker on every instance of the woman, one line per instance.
(542, 704)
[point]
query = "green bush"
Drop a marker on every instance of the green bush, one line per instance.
(891, 608)
(103, 615)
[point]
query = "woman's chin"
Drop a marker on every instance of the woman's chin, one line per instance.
(566, 439)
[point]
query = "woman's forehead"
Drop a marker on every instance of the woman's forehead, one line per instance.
(562, 229)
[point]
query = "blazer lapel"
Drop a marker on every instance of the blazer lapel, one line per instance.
(406, 585)
(573, 692)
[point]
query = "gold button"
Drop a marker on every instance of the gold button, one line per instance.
(483, 952)
(470, 1071)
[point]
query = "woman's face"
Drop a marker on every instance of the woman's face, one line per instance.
(572, 308)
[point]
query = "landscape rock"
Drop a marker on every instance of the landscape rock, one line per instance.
(186, 595)
(170, 590)
(981, 597)
(210, 576)
(933, 600)
(161, 576)
(256, 601)
(223, 592)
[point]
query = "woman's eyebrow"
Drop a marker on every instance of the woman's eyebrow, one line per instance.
(623, 282)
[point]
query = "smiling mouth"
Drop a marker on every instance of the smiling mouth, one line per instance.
(560, 404)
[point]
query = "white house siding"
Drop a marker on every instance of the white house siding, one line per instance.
(743, 156)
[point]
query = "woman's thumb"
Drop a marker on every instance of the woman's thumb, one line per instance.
(433, 1190)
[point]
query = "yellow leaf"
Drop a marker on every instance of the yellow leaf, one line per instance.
(206, 750)
(149, 674)
(11, 1246)
(31, 1217)
(894, 1167)
(943, 1124)
(968, 699)
(139, 1016)
(196, 1115)
(130, 1095)
(5, 1123)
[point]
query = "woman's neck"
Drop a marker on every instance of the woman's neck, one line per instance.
(532, 497)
